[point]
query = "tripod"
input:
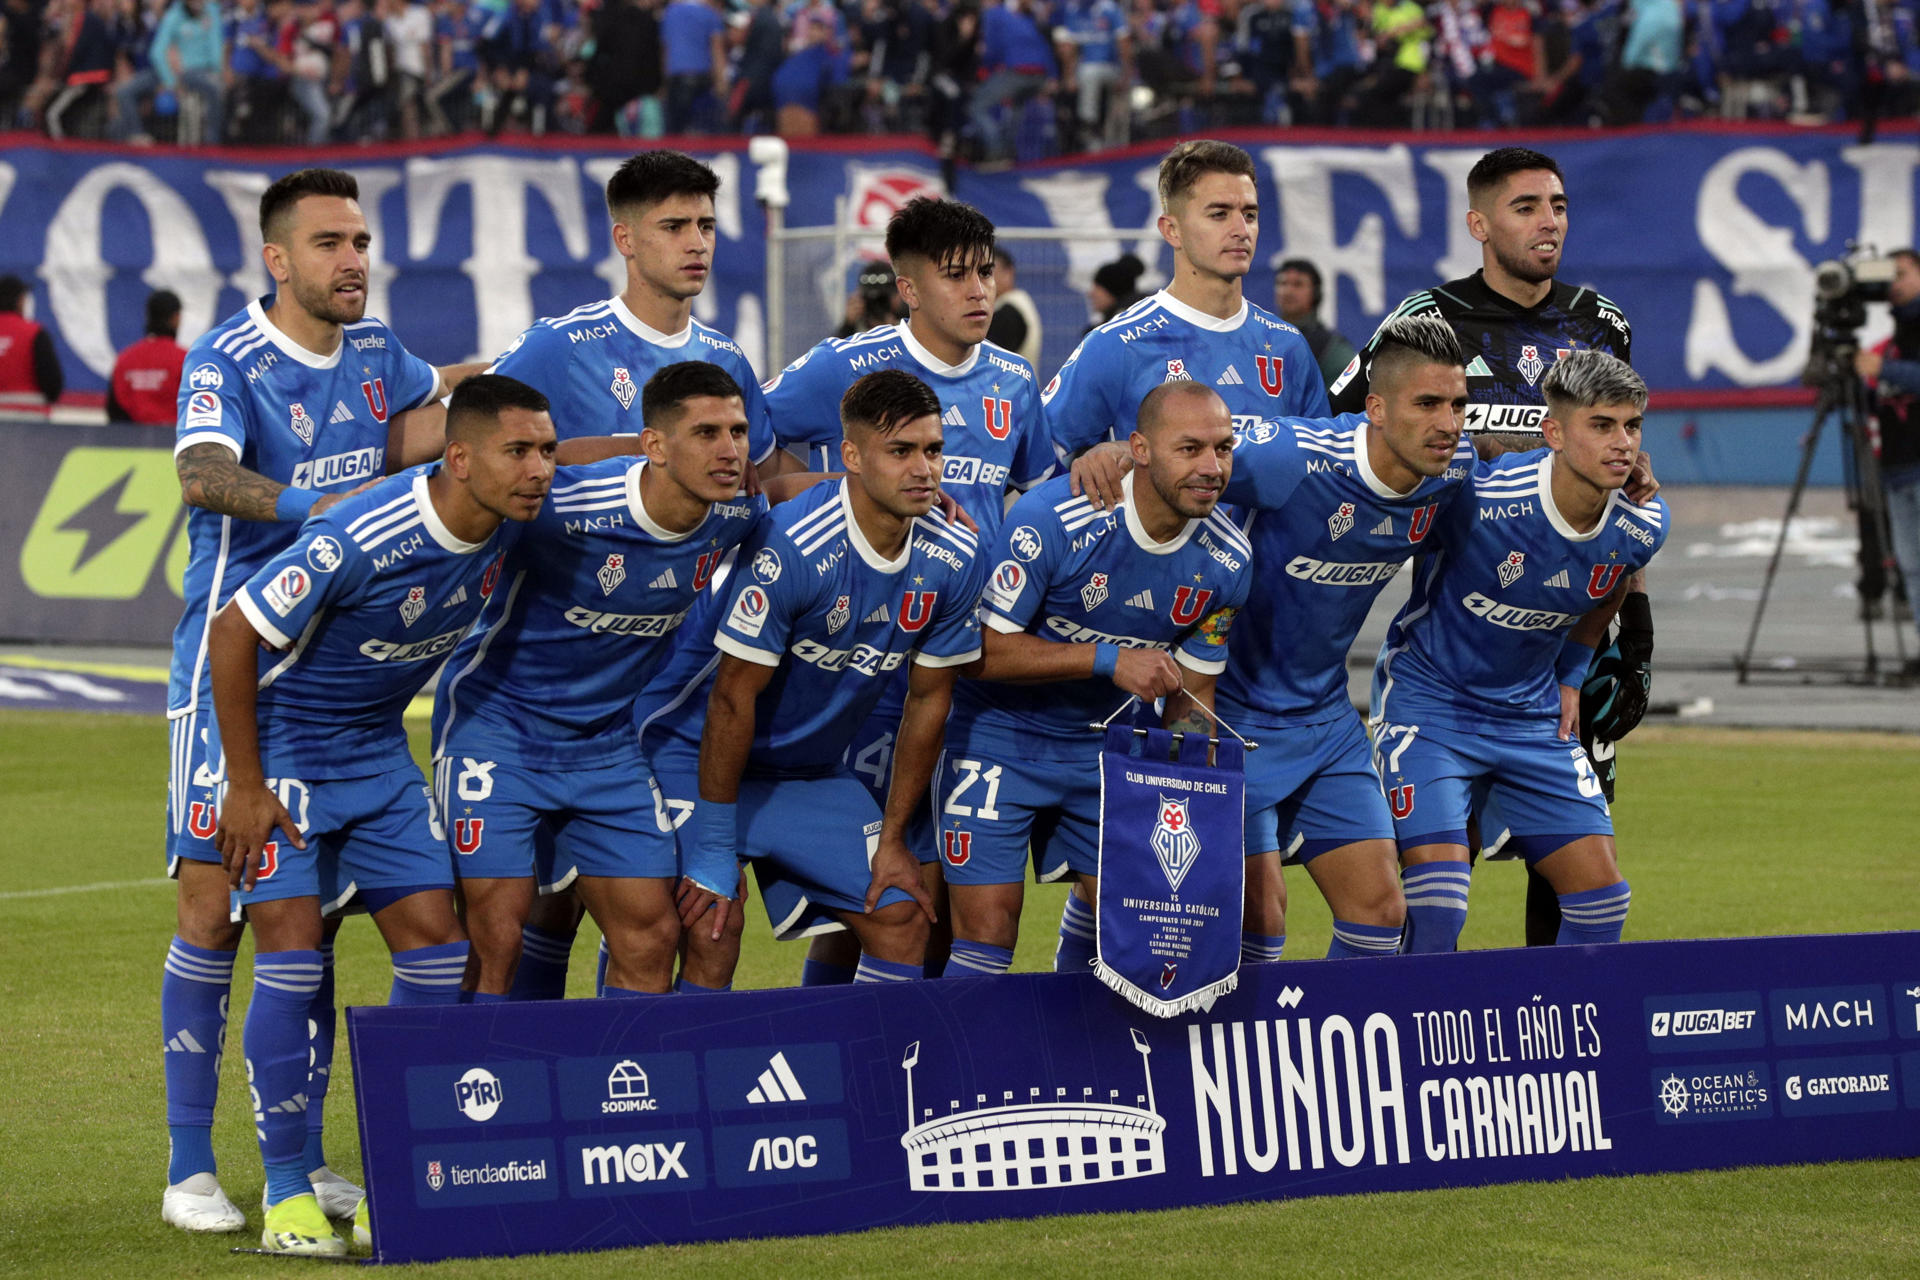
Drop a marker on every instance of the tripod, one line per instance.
(1842, 396)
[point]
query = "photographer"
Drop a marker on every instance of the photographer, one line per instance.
(1892, 371)
(873, 302)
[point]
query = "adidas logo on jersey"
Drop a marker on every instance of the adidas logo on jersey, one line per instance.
(340, 413)
(953, 417)
(1479, 369)
(1231, 378)
(457, 597)
(1560, 579)
(1384, 529)
(879, 615)
(1141, 600)
(665, 582)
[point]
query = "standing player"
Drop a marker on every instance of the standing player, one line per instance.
(1477, 686)
(534, 725)
(284, 408)
(837, 588)
(1515, 320)
(1080, 612)
(362, 608)
(1199, 328)
(995, 439)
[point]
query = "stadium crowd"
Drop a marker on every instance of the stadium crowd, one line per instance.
(1014, 79)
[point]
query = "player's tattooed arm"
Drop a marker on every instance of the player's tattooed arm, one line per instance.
(250, 812)
(213, 479)
(1184, 710)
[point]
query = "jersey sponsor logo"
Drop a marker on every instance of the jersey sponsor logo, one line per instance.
(1400, 800)
(595, 524)
(415, 651)
(956, 847)
(323, 554)
(960, 470)
(865, 360)
(1093, 592)
(1016, 369)
(1505, 510)
(1270, 368)
(1145, 327)
(1189, 603)
(1332, 573)
(588, 333)
(1025, 543)
(719, 343)
(1340, 521)
(373, 341)
(288, 588)
(862, 659)
(467, 834)
(339, 468)
(301, 422)
(1068, 629)
(1512, 567)
(202, 819)
(1420, 522)
(645, 625)
(1601, 580)
(839, 615)
(203, 410)
(376, 394)
(749, 612)
(1530, 365)
(1174, 844)
(206, 377)
(1177, 371)
(612, 573)
(263, 362)
(766, 565)
(999, 416)
(934, 550)
(622, 387)
(1626, 525)
(1522, 419)
(1252, 429)
(1515, 618)
(916, 609)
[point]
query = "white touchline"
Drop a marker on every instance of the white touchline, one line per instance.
(81, 888)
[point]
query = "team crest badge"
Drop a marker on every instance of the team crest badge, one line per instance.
(490, 577)
(1421, 521)
(839, 615)
(435, 1178)
(1094, 592)
(1529, 364)
(1400, 800)
(302, 424)
(1177, 371)
(1173, 842)
(1271, 373)
(1511, 568)
(624, 391)
(612, 573)
(1340, 521)
(1601, 581)
(414, 605)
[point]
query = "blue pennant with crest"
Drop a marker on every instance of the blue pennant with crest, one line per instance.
(1172, 868)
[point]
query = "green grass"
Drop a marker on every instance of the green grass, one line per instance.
(1721, 834)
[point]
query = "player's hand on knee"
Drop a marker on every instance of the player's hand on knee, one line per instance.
(697, 901)
(1641, 484)
(895, 867)
(1097, 473)
(1569, 712)
(1146, 673)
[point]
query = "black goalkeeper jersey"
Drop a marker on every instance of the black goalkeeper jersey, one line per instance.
(1509, 348)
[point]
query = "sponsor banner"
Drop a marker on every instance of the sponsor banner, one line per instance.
(807, 1111)
(1829, 1015)
(468, 1096)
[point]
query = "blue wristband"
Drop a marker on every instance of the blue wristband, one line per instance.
(1105, 658)
(708, 859)
(1574, 662)
(294, 505)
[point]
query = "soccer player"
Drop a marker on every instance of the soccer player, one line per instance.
(1200, 327)
(1081, 611)
(533, 726)
(324, 807)
(1477, 687)
(285, 407)
(995, 439)
(836, 589)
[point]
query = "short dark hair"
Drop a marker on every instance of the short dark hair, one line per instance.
(649, 177)
(163, 311)
(1308, 270)
(1405, 341)
(1493, 168)
(673, 385)
(886, 401)
(12, 289)
(479, 401)
(938, 230)
(278, 200)
(1191, 161)
(1910, 255)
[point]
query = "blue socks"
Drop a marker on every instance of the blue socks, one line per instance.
(1261, 948)
(1351, 941)
(320, 1030)
(1075, 954)
(1436, 905)
(194, 986)
(485, 997)
(275, 1038)
(685, 988)
(428, 975)
(1596, 915)
(977, 959)
(542, 974)
(872, 970)
(818, 973)
(600, 971)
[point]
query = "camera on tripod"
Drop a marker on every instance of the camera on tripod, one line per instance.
(1842, 288)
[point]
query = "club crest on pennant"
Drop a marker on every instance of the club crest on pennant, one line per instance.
(1094, 592)
(839, 615)
(1512, 567)
(1173, 842)
(1529, 364)
(1169, 971)
(301, 423)
(414, 605)
(612, 573)
(1340, 521)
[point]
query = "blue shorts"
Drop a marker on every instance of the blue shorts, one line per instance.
(193, 787)
(870, 756)
(1434, 777)
(997, 811)
(363, 835)
(1314, 785)
(811, 840)
(504, 821)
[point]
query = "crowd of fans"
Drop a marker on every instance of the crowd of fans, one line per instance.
(1007, 79)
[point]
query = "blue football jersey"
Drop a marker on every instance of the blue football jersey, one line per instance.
(1068, 572)
(312, 422)
(1475, 646)
(1259, 364)
(1328, 535)
(366, 603)
(595, 590)
(810, 595)
(994, 428)
(593, 362)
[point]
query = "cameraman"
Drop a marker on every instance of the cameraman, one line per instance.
(1892, 371)
(874, 302)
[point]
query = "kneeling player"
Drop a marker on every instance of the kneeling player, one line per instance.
(836, 589)
(364, 603)
(1082, 608)
(533, 728)
(1476, 692)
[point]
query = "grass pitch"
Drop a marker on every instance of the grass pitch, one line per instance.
(1721, 833)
